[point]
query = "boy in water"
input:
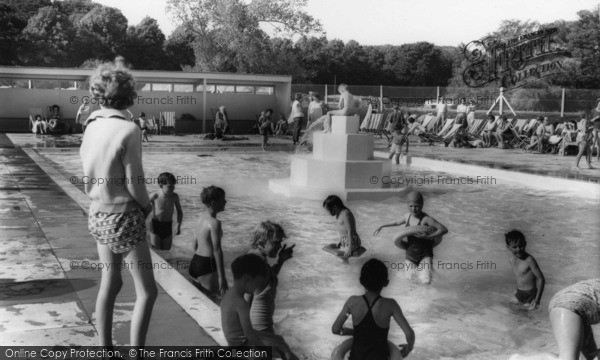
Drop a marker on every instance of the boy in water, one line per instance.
(267, 243)
(207, 266)
(249, 273)
(530, 280)
(419, 248)
(163, 202)
(371, 314)
(350, 244)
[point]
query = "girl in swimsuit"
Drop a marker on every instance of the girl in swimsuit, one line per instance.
(267, 244)
(350, 243)
(371, 314)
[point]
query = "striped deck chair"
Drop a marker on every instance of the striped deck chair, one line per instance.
(152, 127)
(365, 122)
(427, 120)
(433, 124)
(475, 127)
(433, 138)
(374, 123)
(168, 119)
(450, 134)
(33, 112)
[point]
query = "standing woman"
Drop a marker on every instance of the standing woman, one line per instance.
(471, 112)
(112, 149)
(595, 132)
(297, 115)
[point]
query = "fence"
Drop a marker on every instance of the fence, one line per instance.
(555, 102)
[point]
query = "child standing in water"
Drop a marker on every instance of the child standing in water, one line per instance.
(163, 203)
(207, 266)
(267, 243)
(530, 280)
(419, 248)
(396, 142)
(371, 314)
(350, 244)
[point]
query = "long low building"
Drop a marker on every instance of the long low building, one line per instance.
(195, 93)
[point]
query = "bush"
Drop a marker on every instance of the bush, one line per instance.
(187, 117)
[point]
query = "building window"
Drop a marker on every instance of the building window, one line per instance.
(5, 83)
(183, 87)
(24, 84)
(46, 84)
(225, 89)
(265, 90)
(209, 88)
(68, 85)
(143, 86)
(161, 87)
(243, 89)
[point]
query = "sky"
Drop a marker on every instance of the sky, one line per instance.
(396, 22)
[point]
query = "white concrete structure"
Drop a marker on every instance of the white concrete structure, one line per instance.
(341, 164)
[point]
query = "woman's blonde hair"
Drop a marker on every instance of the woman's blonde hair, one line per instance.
(267, 231)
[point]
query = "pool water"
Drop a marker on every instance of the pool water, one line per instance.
(465, 314)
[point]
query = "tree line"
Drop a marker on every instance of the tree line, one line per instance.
(260, 36)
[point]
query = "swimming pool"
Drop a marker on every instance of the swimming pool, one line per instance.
(465, 314)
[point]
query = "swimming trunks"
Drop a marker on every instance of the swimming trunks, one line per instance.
(417, 249)
(162, 229)
(122, 232)
(526, 296)
(582, 298)
(370, 340)
(202, 265)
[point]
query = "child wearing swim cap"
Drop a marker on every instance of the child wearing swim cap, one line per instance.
(371, 315)
(419, 247)
(530, 280)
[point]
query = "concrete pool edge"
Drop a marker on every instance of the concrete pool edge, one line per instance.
(544, 182)
(199, 307)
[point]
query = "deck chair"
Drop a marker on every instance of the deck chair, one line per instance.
(427, 120)
(433, 124)
(365, 121)
(374, 123)
(433, 138)
(168, 119)
(556, 139)
(569, 141)
(152, 126)
(33, 112)
(450, 134)
(475, 127)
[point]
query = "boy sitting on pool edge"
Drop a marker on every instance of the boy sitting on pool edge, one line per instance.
(419, 247)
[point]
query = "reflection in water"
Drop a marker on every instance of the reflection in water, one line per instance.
(465, 314)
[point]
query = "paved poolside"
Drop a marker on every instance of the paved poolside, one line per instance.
(48, 298)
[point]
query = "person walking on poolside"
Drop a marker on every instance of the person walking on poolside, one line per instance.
(573, 311)
(371, 315)
(584, 140)
(297, 115)
(112, 149)
(419, 248)
(471, 111)
(267, 241)
(265, 125)
(442, 112)
(595, 121)
(221, 124)
(164, 202)
(530, 280)
(207, 267)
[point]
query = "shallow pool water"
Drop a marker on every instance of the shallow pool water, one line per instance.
(465, 313)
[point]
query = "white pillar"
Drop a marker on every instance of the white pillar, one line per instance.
(381, 97)
(501, 99)
(204, 106)
(562, 104)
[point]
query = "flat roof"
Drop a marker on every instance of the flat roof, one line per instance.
(51, 73)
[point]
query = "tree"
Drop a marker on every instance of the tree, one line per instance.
(584, 40)
(48, 38)
(421, 64)
(178, 49)
(10, 28)
(101, 33)
(144, 45)
(227, 33)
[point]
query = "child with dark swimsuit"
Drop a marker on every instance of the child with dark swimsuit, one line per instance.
(371, 314)
(419, 248)
(207, 266)
(267, 243)
(144, 127)
(164, 202)
(530, 280)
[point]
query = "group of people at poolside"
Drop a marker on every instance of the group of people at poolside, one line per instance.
(111, 148)
(53, 125)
